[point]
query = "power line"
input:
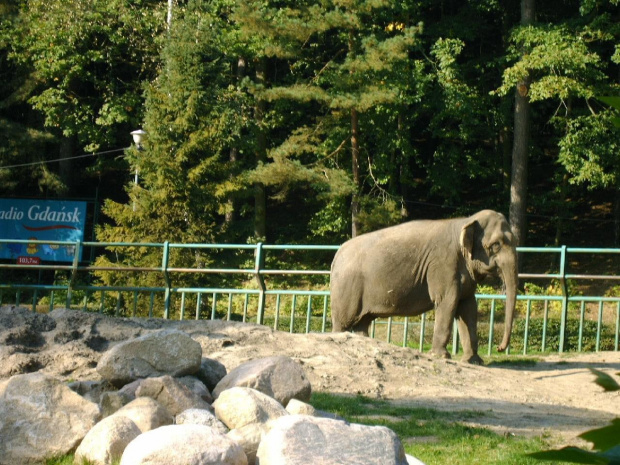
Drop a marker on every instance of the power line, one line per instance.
(63, 159)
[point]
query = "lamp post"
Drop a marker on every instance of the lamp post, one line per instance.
(138, 136)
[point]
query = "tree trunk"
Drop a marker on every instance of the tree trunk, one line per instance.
(169, 15)
(355, 159)
(520, 147)
(260, 197)
(562, 210)
(355, 166)
(233, 156)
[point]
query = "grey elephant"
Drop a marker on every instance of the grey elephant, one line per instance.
(408, 269)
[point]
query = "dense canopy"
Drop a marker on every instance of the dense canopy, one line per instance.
(309, 121)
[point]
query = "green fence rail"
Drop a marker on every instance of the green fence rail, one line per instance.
(254, 283)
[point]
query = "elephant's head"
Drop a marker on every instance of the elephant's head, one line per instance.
(489, 249)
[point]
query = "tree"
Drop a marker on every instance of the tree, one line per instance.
(521, 141)
(561, 66)
(355, 74)
(84, 65)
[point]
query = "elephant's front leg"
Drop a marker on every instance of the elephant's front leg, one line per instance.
(467, 314)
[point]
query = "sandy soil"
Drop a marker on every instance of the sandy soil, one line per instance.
(556, 396)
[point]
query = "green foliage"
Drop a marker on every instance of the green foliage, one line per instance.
(557, 60)
(243, 95)
(84, 58)
(589, 150)
(604, 442)
(613, 102)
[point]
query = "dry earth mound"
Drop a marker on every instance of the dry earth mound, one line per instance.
(555, 396)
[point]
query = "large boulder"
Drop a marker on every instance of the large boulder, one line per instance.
(171, 394)
(41, 417)
(279, 377)
(183, 444)
(302, 439)
(106, 442)
(239, 406)
(166, 352)
(146, 413)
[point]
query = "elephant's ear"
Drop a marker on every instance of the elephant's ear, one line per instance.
(467, 239)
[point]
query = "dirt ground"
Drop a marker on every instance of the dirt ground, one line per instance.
(556, 396)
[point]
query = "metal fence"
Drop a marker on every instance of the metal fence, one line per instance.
(570, 299)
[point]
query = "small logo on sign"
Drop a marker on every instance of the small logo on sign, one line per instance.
(28, 261)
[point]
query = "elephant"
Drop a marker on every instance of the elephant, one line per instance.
(413, 267)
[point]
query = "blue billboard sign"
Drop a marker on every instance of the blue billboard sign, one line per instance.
(41, 220)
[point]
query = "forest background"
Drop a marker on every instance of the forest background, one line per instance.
(309, 121)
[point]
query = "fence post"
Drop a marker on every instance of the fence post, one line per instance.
(564, 284)
(164, 269)
(259, 264)
(74, 268)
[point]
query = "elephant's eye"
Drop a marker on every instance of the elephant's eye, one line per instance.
(495, 247)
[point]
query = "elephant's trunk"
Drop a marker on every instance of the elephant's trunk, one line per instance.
(510, 276)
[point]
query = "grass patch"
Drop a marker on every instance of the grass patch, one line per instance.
(434, 436)
(64, 460)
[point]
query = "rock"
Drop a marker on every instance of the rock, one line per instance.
(40, 417)
(90, 390)
(279, 377)
(183, 444)
(240, 406)
(130, 389)
(249, 438)
(302, 439)
(111, 401)
(197, 387)
(194, 416)
(297, 407)
(211, 372)
(171, 394)
(106, 442)
(70, 344)
(146, 413)
(166, 352)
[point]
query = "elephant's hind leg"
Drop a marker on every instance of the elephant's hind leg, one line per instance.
(467, 314)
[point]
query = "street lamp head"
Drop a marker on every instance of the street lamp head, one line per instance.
(138, 136)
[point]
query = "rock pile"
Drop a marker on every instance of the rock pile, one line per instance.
(157, 400)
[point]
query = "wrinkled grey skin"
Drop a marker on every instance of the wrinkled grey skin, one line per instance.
(411, 268)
